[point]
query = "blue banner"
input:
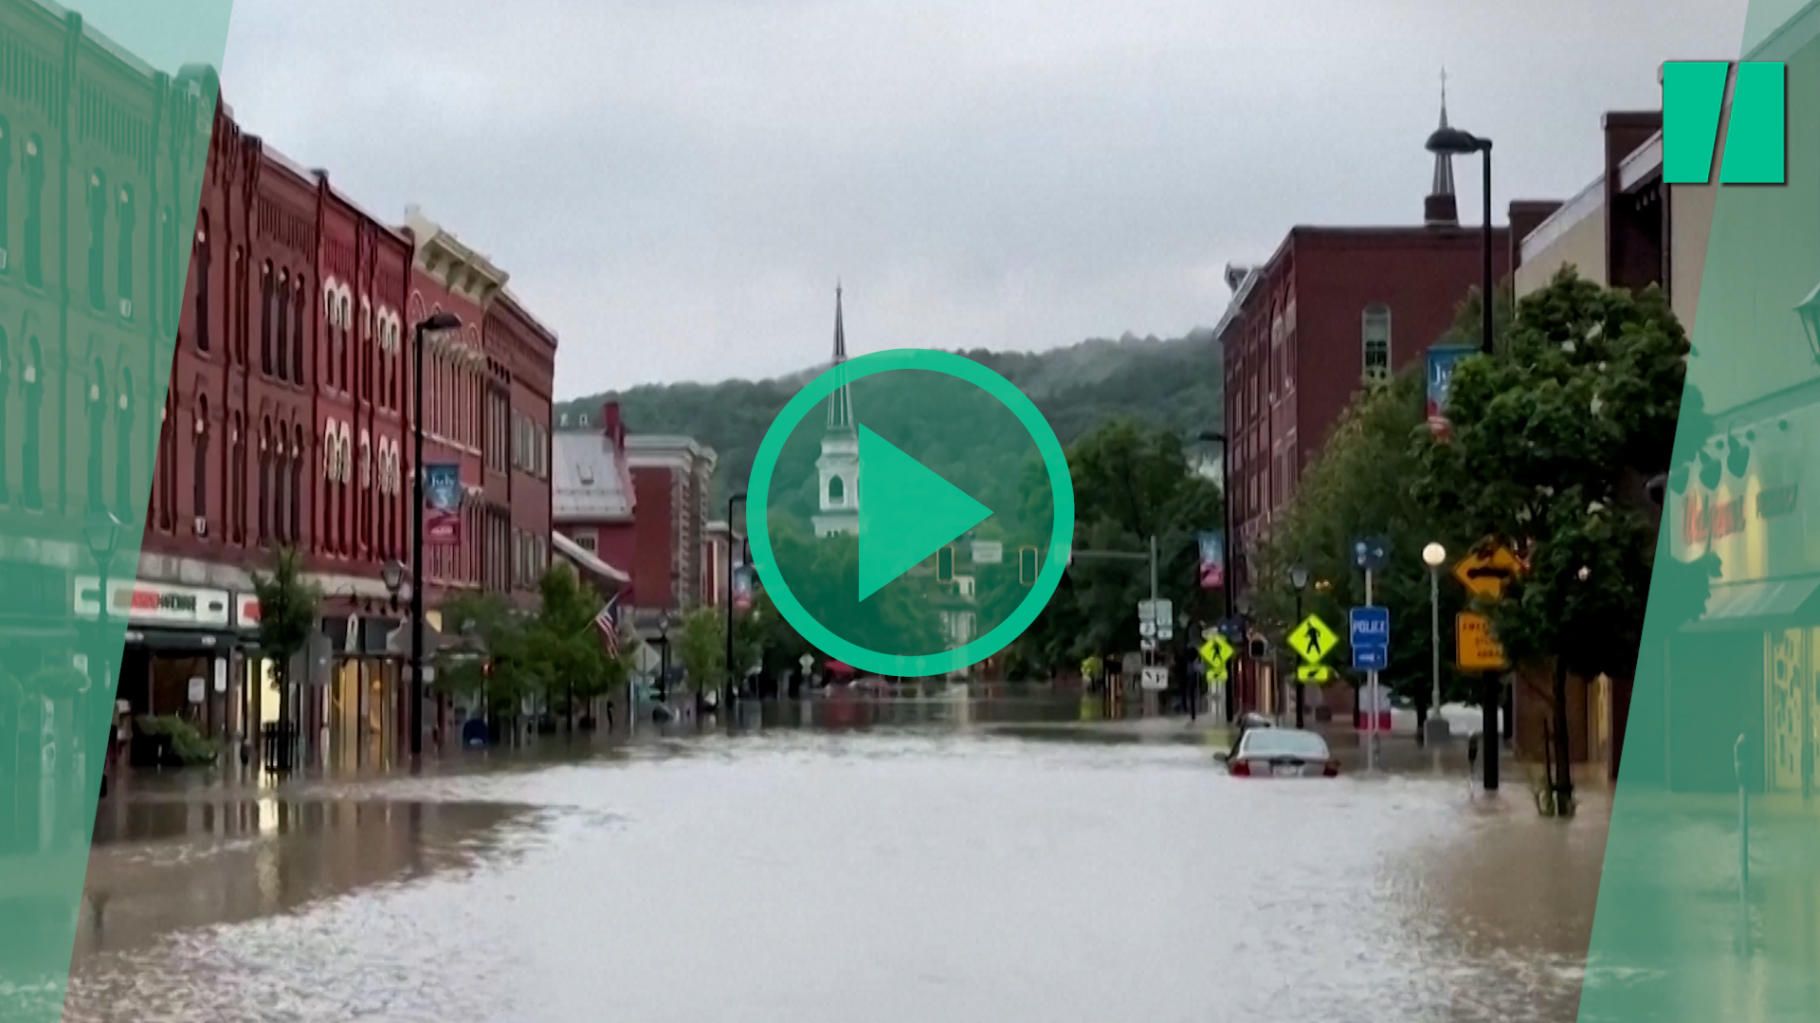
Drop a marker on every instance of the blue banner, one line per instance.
(1441, 361)
(442, 504)
(1213, 559)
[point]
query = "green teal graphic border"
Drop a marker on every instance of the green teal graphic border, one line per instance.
(106, 111)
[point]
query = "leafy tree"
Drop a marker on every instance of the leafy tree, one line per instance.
(564, 648)
(488, 656)
(701, 646)
(288, 606)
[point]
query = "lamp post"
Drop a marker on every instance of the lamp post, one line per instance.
(732, 679)
(102, 533)
(435, 322)
(1227, 582)
(1434, 556)
(663, 670)
(1298, 580)
(1454, 142)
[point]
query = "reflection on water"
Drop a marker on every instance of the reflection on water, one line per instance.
(890, 874)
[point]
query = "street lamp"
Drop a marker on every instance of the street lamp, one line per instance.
(1227, 582)
(437, 322)
(1298, 580)
(1454, 142)
(1434, 556)
(392, 574)
(732, 679)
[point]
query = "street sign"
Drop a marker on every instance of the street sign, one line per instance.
(1155, 678)
(1485, 574)
(1370, 638)
(806, 662)
(1312, 639)
(1370, 553)
(1216, 652)
(1217, 673)
(1147, 645)
(1156, 611)
(1165, 630)
(1475, 645)
(1313, 674)
(1147, 629)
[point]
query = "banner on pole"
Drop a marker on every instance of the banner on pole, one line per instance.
(442, 504)
(1441, 362)
(1213, 559)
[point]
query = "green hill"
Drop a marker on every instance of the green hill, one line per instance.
(1172, 383)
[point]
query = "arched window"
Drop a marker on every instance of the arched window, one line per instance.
(6, 223)
(124, 500)
(282, 360)
(6, 390)
(302, 314)
(124, 268)
(96, 401)
(31, 383)
(97, 239)
(1375, 339)
(236, 325)
(200, 270)
(164, 264)
(167, 464)
(266, 285)
(199, 496)
(297, 461)
(236, 478)
(265, 482)
(347, 341)
(34, 212)
(837, 492)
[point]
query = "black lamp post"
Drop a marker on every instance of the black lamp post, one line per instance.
(1227, 581)
(437, 322)
(102, 533)
(1454, 142)
(732, 679)
(663, 671)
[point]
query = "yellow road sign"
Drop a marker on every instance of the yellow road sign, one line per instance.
(1216, 651)
(1475, 646)
(1313, 674)
(1485, 574)
(1216, 673)
(1312, 639)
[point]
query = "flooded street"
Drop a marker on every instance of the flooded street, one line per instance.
(953, 873)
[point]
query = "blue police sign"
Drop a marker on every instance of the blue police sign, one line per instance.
(1370, 639)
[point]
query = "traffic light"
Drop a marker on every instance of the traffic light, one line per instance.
(944, 564)
(1026, 565)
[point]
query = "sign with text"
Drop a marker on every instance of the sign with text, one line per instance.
(1370, 638)
(442, 504)
(1213, 559)
(1441, 362)
(1475, 645)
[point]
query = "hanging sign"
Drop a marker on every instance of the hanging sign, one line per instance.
(442, 504)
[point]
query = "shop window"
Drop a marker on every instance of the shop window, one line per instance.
(1375, 338)
(124, 262)
(201, 271)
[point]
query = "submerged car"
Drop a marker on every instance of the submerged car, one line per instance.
(1280, 753)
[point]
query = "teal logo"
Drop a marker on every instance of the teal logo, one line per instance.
(1756, 136)
(880, 528)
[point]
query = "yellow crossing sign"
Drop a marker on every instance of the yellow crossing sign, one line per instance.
(1486, 573)
(1313, 674)
(1216, 673)
(1216, 652)
(1313, 640)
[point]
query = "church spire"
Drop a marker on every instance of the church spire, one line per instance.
(1441, 209)
(840, 404)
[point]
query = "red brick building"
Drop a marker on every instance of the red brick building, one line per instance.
(1331, 310)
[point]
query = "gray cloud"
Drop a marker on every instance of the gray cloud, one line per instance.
(675, 186)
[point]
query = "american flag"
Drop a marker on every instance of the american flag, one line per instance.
(609, 628)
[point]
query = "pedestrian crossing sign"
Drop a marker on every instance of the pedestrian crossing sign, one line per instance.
(1216, 652)
(1313, 674)
(1313, 640)
(1216, 673)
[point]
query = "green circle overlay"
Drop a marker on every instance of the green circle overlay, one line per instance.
(1061, 530)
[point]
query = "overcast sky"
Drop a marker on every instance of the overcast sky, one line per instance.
(675, 185)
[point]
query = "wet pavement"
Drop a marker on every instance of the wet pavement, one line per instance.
(957, 867)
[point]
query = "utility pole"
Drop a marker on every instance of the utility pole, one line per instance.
(1371, 700)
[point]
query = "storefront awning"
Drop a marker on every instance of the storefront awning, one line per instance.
(1756, 604)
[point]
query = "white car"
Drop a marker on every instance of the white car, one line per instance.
(1281, 753)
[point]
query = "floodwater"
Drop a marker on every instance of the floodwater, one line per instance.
(952, 871)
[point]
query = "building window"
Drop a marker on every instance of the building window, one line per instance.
(97, 238)
(265, 483)
(97, 435)
(6, 174)
(32, 383)
(200, 493)
(34, 212)
(281, 361)
(201, 272)
(299, 315)
(6, 386)
(266, 318)
(297, 485)
(125, 260)
(1375, 333)
(123, 451)
(837, 492)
